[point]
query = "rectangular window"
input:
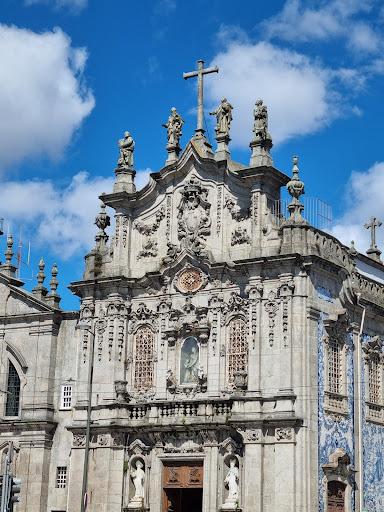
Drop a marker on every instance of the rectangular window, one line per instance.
(374, 380)
(334, 367)
(61, 480)
(66, 397)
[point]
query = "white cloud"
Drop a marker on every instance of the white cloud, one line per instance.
(59, 220)
(73, 5)
(301, 93)
(43, 98)
(363, 198)
(308, 21)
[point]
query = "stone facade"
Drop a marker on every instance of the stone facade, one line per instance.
(225, 348)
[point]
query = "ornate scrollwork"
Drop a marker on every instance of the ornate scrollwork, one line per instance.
(236, 212)
(271, 306)
(149, 229)
(235, 305)
(240, 236)
(149, 249)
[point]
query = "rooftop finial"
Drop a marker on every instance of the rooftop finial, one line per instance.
(352, 249)
(40, 275)
(40, 291)
(9, 253)
(54, 283)
(8, 268)
(102, 221)
(295, 189)
(373, 252)
(261, 143)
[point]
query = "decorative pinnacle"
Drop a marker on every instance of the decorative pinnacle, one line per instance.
(102, 220)
(295, 186)
(40, 275)
(295, 189)
(9, 253)
(54, 283)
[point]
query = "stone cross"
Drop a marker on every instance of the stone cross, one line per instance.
(199, 73)
(373, 225)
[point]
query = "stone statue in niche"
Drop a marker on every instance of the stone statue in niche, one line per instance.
(189, 362)
(138, 478)
(232, 482)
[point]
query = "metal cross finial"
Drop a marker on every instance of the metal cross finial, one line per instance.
(373, 225)
(199, 73)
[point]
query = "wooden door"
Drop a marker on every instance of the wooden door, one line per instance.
(184, 475)
(183, 487)
(336, 497)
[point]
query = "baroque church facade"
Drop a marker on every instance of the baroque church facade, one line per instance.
(233, 355)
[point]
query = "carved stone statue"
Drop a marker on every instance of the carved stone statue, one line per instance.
(172, 252)
(260, 127)
(138, 477)
(171, 381)
(174, 125)
(232, 481)
(223, 117)
(127, 146)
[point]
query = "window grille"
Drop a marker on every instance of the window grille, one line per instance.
(66, 397)
(144, 364)
(237, 348)
(374, 379)
(13, 392)
(334, 366)
(61, 480)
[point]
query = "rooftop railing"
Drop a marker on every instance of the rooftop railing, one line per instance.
(317, 212)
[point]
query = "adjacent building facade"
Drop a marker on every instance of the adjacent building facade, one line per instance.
(237, 352)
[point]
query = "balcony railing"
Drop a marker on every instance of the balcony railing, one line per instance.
(316, 212)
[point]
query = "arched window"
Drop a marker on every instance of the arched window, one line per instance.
(13, 392)
(144, 358)
(237, 359)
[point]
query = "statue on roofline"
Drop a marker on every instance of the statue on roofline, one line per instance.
(127, 146)
(223, 117)
(174, 126)
(260, 126)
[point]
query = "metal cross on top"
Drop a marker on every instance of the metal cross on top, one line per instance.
(373, 225)
(199, 73)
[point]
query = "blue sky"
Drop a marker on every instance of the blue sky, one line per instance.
(76, 74)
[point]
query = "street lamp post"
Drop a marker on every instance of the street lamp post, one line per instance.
(87, 327)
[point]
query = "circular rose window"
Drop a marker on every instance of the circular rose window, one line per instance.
(190, 280)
